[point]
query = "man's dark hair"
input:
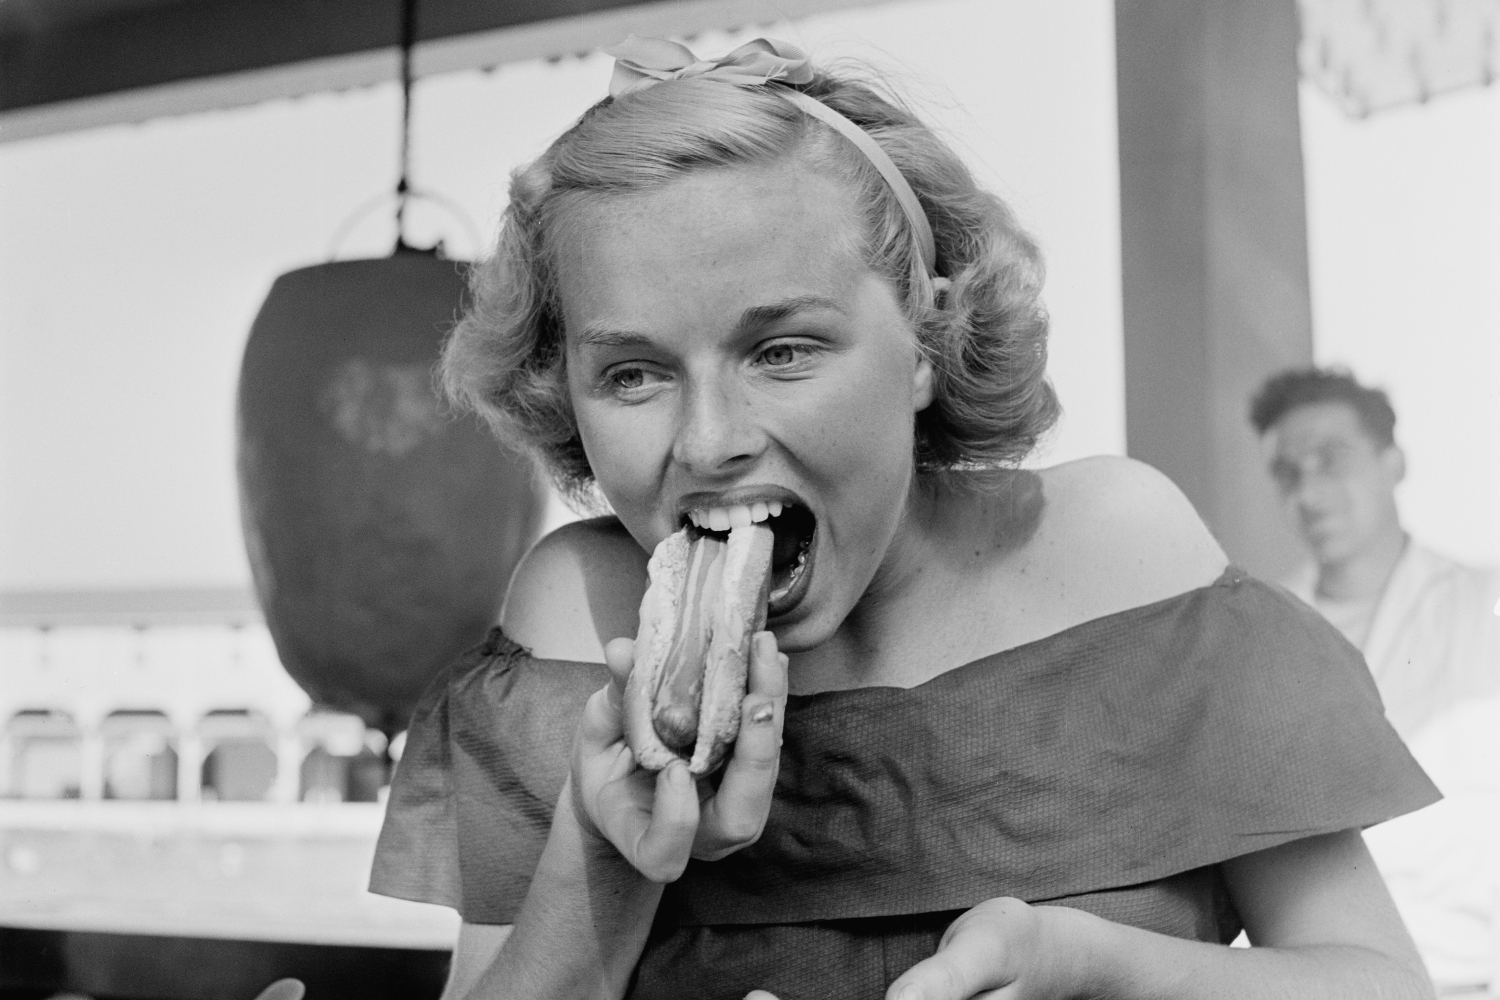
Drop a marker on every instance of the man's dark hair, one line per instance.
(1288, 390)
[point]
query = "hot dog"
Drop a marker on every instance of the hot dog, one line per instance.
(706, 599)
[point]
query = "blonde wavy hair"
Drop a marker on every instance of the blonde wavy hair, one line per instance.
(986, 337)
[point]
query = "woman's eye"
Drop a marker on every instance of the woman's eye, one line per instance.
(628, 378)
(788, 358)
(779, 355)
(630, 382)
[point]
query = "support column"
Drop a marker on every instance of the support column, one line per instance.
(190, 756)
(1214, 250)
(91, 780)
(89, 716)
(288, 781)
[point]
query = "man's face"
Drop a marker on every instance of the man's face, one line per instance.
(1337, 484)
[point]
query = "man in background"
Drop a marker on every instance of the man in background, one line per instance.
(1429, 632)
(1425, 623)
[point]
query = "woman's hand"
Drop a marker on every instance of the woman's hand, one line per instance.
(1002, 949)
(1316, 911)
(656, 822)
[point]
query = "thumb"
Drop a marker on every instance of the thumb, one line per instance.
(759, 995)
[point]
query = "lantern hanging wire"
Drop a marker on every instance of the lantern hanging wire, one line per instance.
(403, 187)
(405, 192)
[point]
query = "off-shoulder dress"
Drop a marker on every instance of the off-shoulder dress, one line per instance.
(1110, 767)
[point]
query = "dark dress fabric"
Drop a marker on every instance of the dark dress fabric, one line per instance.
(1109, 767)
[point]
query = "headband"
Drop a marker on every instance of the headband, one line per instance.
(645, 62)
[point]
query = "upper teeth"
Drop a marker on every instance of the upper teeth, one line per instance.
(739, 516)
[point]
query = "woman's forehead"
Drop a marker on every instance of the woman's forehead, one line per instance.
(724, 235)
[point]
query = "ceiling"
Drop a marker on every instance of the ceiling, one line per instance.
(69, 64)
(61, 50)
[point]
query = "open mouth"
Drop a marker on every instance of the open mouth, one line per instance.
(794, 528)
(791, 556)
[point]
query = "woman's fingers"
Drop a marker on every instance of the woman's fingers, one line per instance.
(651, 819)
(662, 847)
(986, 953)
(283, 989)
(619, 656)
(657, 823)
(603, 724)
(737, 812)
(767, 667)
(962, 970)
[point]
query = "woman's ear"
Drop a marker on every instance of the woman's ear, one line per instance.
(922, 391)
(922, 387)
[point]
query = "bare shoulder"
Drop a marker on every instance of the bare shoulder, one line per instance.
(1123, 534)
(578, 588)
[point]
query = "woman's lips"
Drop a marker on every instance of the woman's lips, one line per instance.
(790, 596)
(788, 515)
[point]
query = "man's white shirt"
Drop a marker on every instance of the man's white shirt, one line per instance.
(1433, 647)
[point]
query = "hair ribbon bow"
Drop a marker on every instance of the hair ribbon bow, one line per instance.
(645, 62)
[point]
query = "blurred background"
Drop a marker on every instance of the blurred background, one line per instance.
(163, 775)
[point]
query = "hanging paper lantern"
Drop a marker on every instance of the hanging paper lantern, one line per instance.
(381, 529)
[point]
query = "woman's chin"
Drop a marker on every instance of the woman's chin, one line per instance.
(802, 618)
(799, 635)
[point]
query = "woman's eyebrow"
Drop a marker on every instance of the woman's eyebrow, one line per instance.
(750, 320)
(759, 316)
(597, 336)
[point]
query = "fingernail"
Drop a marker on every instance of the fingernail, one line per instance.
(678, 775)
(909, 992)
(763, 714)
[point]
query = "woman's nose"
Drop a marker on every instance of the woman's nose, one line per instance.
(717, 433)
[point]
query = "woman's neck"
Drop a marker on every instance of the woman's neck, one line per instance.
(952, 532)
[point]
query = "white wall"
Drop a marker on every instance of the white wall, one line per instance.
(132, 259)
(1404, 231)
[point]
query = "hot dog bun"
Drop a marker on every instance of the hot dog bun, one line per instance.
(670, 663)
(667, 572)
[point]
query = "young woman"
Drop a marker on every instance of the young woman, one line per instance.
(1007, 730)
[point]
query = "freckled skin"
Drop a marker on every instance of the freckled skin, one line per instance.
(689, 371)
(821, 402)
